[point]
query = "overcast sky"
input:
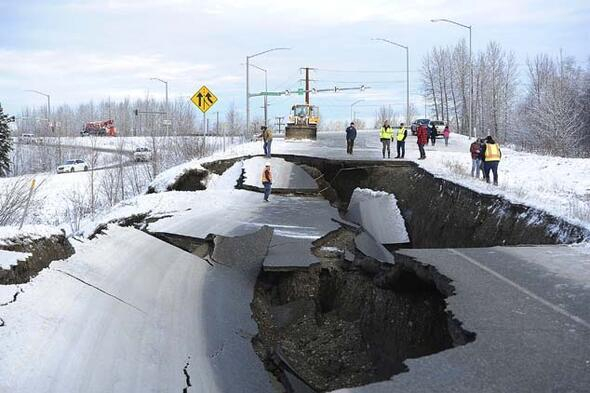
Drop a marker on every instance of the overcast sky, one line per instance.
(82, 50)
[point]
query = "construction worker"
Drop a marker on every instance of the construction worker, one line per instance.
(266, 136)
(266, 180)
(386, 136)
(401, 136)
(491, 158)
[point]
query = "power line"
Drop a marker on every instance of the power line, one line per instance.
(366, 71)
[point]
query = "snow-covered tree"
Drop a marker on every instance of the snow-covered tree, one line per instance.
(5, 142)
(552, 111)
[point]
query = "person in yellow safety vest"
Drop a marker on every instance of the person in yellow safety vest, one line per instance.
(491, 154)
(386, 135)
(402, 134)
(266, 180)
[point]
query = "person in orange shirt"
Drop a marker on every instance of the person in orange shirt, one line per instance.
(266, 180)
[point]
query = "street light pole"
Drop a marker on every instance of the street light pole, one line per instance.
(351, 105)
(248, 81)
(408, 120)
(167, 108)
(266, 91)
(470, 71)
(48, 107)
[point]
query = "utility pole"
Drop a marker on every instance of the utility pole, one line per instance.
(408, 120)
(471, 130)
(51, 128)
(167, 120)
(265, 92)
(307, 85)
(278, 123)
(248, 82)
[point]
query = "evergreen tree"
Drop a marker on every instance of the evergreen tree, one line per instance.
(5, 142)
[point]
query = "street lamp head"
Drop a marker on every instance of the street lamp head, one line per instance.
(266, 51)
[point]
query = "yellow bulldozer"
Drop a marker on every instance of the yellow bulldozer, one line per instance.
(303, 122)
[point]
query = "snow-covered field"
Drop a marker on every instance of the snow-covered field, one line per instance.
(129, 143)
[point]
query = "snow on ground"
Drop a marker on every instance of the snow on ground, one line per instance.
(11, 258)
(130, 143)
(32, 232)
(285, 175)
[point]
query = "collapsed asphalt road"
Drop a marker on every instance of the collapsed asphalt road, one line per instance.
(130, 312)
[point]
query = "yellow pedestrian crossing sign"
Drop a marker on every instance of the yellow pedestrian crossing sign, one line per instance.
(204, 99)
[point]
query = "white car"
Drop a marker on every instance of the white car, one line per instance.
(73, 166)
(142, 154)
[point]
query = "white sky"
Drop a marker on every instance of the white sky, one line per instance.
(82, 50)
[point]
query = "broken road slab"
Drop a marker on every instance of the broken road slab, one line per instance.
(526, 341)
(286, 176)
(126, 314)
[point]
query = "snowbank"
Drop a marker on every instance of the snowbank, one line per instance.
(10, 234)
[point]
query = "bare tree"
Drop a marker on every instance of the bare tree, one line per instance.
(384, 113)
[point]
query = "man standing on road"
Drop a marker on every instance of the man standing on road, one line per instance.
(386, 135)
(350, 137)
(422, 140)
(475, 150)
(402, 134)
(491, 159)
(267, 138)
(432, 133)
(266, 180)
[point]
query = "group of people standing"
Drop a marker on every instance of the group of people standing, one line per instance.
(485, 157)
(387, 135)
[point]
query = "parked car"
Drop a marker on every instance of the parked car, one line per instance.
(73, 166)
(27, 138)
(439, 126)
(142, 154)
(418, 123)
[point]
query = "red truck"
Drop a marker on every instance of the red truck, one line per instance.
(99, 128)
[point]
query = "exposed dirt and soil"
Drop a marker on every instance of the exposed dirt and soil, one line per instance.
(43, 250)
(343, 324)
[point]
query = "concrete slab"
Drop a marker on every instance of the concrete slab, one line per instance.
(531, 321)
(243, 252)
(286, 175)
(366, 244)
(378, 214)
(129, 313)
(296, 221)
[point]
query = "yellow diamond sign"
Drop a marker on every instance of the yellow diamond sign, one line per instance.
(204, 99)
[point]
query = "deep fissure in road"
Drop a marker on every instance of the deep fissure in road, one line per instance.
(350, 321)
(342, 325)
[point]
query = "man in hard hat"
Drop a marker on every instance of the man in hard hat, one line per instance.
(266, 180)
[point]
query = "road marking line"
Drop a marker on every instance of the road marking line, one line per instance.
(522, 289)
